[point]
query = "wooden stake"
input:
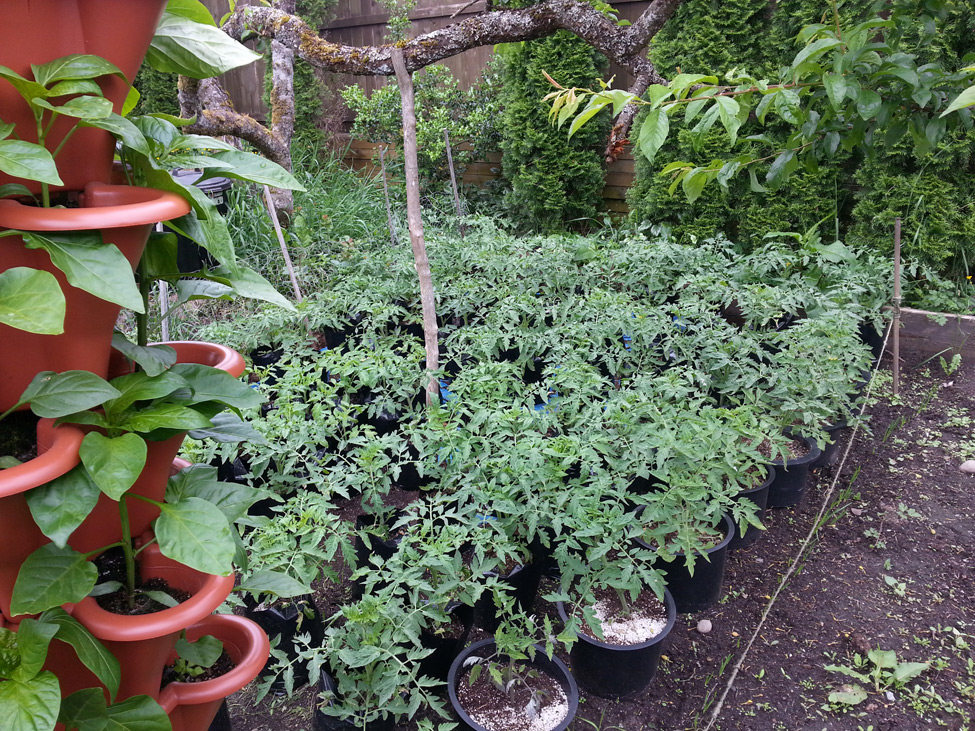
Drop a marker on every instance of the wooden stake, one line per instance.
(284, 247)
(421, 261)
(896, 322)
(164, 309)
(453, 184)
(389, 209)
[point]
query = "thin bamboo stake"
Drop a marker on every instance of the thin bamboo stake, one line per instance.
(164, 309)
(421, 261)
(896, 322)
(272, 211)
(389, 208)
(453, 183)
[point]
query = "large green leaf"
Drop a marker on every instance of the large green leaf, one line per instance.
(201, 481)
(62, 504)
(90, 651)
(28, 161)
(963, 100)
(114, 463)
(50, 577)
(154, 359)
(203, 652)
(9, 652)
(248, 283)
(31, 300)
(192, 9)
(89, 264)
(138, 713)
(33, 638)
(27, 88)
(228, 427)
(184, 47)
(653, 133)
(81, 107)
(213, 384)
(83, 709)
(254, 169)
(81, 86)
(74, 66)
(141, 386)
(30, 706)
(197, 534)
(165, 416)
(51, 394)
(272, 582)
(124, 130)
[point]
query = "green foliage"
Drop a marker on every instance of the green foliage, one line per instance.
(852, 99)
(555, 182)
(441, 104)
(158, 93)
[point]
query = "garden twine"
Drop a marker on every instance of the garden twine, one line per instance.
(802, 549)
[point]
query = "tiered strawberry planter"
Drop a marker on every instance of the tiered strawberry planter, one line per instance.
(101, 482)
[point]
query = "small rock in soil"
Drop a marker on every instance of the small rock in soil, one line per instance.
(968, 467)
(704, 626)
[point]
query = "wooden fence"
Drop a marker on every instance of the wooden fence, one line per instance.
(363, 23)
(364, 156)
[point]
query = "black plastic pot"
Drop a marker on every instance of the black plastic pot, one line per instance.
(830, 453)
(446, 647)
(789, 484)
(373, 544)
(694, 593)
(759, 496)
(267, 357)
(554, 668)
(323, 722)
(285, 619)
(618, 671)
(872, 339)
(221, 722)
(190, 256)
(523, 581)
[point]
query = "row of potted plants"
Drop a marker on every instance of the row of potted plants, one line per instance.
(110, 547)
(594, 424)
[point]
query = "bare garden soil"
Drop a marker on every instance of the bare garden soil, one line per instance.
(890, 568)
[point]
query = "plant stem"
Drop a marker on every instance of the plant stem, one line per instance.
(128, 552)
(142, 319)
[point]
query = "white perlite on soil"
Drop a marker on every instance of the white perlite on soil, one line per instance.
(511, 718)
(636, 628)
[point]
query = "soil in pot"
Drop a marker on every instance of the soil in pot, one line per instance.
(543, 684)
(111, 567)
(625, 661)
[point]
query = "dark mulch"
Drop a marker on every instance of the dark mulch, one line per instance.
(891, 568)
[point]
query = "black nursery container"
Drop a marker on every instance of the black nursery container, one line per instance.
(191, 257)
(554, 668)
(445, 647)
(694, 593)
(286, 620)
(789, 484)
(523, 581)
(618, 671)
(759, 496)
(830, 453)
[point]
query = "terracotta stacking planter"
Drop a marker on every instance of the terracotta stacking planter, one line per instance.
(193, 706)
(39, 31)
(103, 525)
(57, 449)
(142, 643)
(124, 216)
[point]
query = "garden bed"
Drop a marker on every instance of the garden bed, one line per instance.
(902, 510)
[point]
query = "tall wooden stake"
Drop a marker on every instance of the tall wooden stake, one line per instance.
(453, 183)
(896, 322)
(272, 211)
(421, 261)
(389, 208)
